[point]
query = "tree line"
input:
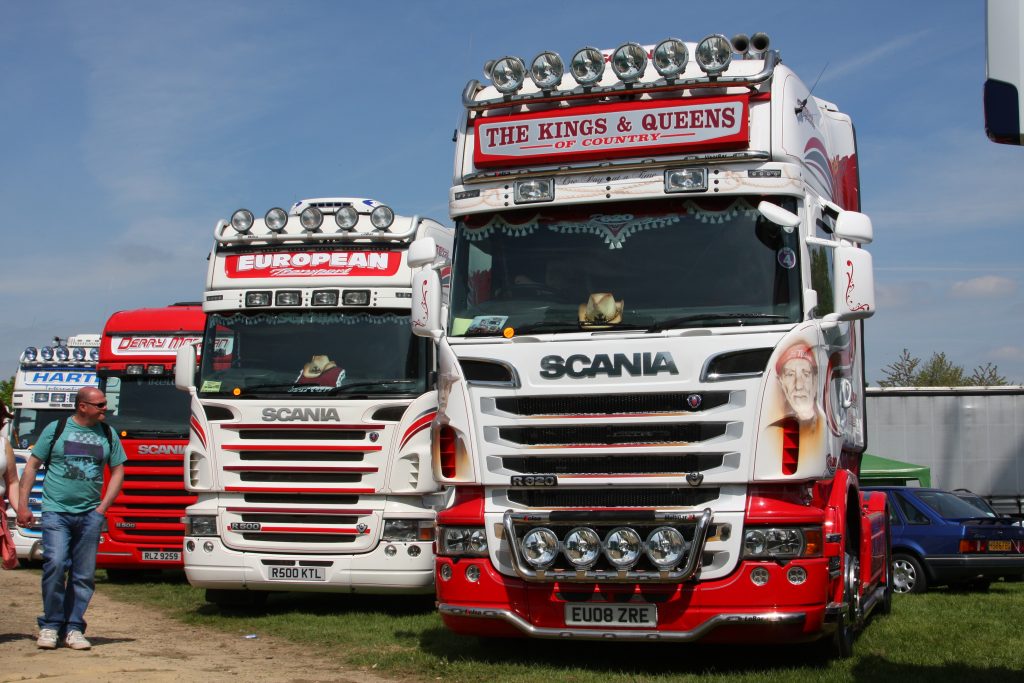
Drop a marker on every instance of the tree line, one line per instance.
(938, 371)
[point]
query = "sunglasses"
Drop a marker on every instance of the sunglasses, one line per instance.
(102, 404)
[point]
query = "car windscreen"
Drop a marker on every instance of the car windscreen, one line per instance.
(146, 406)
(949, 505)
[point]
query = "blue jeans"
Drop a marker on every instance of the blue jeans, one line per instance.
(70, 541)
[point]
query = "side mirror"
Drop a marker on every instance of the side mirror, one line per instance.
(855, 284)
(776, 214)
(425, 316)
(185, 367)
(855, 227)
(422, 252)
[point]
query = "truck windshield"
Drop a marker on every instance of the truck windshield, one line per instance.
(643, 265)
(312, 354)
(29, 424)
(144, 406)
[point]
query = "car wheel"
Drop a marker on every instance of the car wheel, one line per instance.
(908, 574)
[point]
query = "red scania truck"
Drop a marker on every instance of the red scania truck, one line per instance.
(136, 371)
(651, 364)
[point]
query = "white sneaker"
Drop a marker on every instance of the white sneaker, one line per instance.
(76, 641)
(47, 639)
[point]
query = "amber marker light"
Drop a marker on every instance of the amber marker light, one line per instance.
(236, 391)
(508, 332)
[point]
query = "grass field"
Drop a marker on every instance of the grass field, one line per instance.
(943, 635)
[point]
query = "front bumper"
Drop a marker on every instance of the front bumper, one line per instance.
(732, 609)
(954, 568)
(117, 555)
(374, 572)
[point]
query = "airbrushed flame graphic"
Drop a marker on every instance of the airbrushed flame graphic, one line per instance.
(850, 286)
(419, 322)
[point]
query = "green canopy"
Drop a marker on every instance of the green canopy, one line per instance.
(878, 471)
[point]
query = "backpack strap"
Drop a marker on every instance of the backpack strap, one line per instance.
(63, 422)
(106, 432)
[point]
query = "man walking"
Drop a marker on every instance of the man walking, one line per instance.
(74, 451)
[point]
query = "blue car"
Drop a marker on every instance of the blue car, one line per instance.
(940, 539)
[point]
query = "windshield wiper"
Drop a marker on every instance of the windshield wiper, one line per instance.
(738, 317)
(345, 388)
(155, 433)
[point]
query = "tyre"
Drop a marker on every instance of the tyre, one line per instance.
(908, 574)
(235, 599)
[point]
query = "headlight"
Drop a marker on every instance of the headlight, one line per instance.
(324, 297)
(62, 353)
(257, 299)
(781, 542)
(534, 190)
(407, 530)
(288, 297)
(276, 219)
(670, 57)
(134, 369)
(78, 353)
(666, 547)
(686, 180)
(622, 547)
(46, 353)
(382, 217)
(458, 541)
(154, 369)
(29, 354)
(200, 525)
(58, 398)
(540, 547)
(508, 74)
(356, 297)
(346, 217)
(41, 397)
(587, 66)
(582, 547)
(713, 54)
(242, 220)
(546, 70)
(629, 62)
(94, 354)
(311, 219)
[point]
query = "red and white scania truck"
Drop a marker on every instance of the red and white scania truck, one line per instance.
(45, 385)
(311, 408)
(136, 371)
(651, 364)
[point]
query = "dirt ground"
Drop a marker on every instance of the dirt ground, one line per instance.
(133, 644)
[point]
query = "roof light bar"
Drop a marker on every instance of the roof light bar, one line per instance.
(508, 74)
(242, 221)
(382, 217)
(587, 66)
(670, 57)
(713, 54)
(546, 70)
(311, 219)
(346, 218)
(629, 62)
(276, 220)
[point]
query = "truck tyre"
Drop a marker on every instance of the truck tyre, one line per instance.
(842, 639)
(235, 599)
(908, 574)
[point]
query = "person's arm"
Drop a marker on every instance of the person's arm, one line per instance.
(11, 478)
(113, 488)
(28, 478)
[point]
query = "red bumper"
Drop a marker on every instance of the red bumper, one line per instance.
(116, 555)
(732, 609)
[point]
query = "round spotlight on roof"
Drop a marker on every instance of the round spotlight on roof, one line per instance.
(94, 354)
(670, 57)
(546, 70)
(311, 219)
(629, 62)
(242, 221)
(713, 54)
(46, 353)
(276, 219)
(62, 353)
(78, 353)
(587, 66)
(382, 217)
(29, 354)
(508, 74)
(346, 217)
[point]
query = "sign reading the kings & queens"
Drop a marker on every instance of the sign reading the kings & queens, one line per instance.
(617, 130)
(313, 264)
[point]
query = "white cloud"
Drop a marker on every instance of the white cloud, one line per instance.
(902, 295)
(865, 59)
(985, 287)
(1013, 354)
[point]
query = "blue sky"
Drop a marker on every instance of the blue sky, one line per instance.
(127, 129)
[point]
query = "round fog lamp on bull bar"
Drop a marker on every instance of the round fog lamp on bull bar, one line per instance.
(670, 57)
(713, 54)
(546, 70)
(665, 547)
(582, 547)
(311, 219)
(587, 66)
(622, 547)
(276, 219)
(629, 62)
(540, 547)
(507, 74)
(346, 217)
(242, 220)
(382, 217)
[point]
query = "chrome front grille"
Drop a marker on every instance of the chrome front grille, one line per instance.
(615, 464)
(613, 434)
(612, 404)
(617, 497)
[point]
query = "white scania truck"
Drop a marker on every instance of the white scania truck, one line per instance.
(310, 443)
(45, 385)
